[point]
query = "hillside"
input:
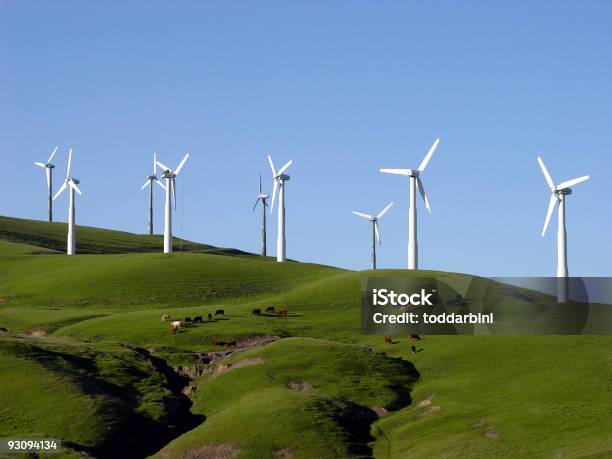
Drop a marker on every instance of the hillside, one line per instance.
(92, 240)
(89, 328)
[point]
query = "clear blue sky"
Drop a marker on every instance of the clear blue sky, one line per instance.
(342, 88)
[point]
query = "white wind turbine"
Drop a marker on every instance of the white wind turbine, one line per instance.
(70, 182)
(149, 182)
(49, 173)
(279, 182)
(375, 230)
(170, 187)
(415, 182)
(557, 199)
(263, 198)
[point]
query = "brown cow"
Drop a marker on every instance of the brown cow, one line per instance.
(282, 312)
(166, 318)
(388, 340)
(174, 329)
(414, 337)
(213, 341)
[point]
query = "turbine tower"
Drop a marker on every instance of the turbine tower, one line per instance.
(170, 176)
(70, 182)
(279, 182)
(415, 182)
(557, 199)
(149, 182)
(49, 172)
(262, 197)
(375, 230)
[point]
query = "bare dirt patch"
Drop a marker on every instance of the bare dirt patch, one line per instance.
(424, 402)
(479, 424)
(305, 386)
(432, 409)
(380, 412)
(491, 432)
(283, 453)
(38, 333)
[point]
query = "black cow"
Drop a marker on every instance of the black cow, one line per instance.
(219, 312)
(209, 317)
(187, 320)
(197, 319)
(256, 312)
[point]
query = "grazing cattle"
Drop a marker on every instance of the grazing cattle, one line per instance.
(231, 343)
(282, 312)
(187, 320)
(197, 319)
(219, 312)
(165, 318)
(414, 337)
(176, 326)
(388, 340)
(270, 309)
(209, 317)
(256, 311)
(213, 341)
(176, 323)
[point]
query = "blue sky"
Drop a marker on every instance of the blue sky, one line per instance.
(342, 88)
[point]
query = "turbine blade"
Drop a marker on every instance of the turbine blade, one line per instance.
(52, 155)
(69, 162)
(60, 191)
(384, 211)
(147, 182)
(272, 166)
(285, 167)
(547, 176)
(163, 166)
(573, 182)
(255, 205)
(428, 155)
(160, 184)
(73, 185)
(360, 214)
(423, 194)
(554, 200)
(154, 163)
(40, 164)
(273, 196)
(180, 166)
(259, 182)
(173, 190)
(377, 231)
(396, 171)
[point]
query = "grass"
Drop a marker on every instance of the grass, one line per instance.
(498, 396)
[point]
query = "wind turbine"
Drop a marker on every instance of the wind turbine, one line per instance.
(149, 182)
(415, 182)
(70, 182)
(279, 182)
(262, 197)
(557, 199)
(375, 229)
(49, 172)
(170, 188)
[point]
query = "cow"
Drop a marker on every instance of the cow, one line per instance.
(209, 317)
(176, 326)
(414, 337)
(197, 319)
(219, 312)
(270, 309)
(256, 312)
(231, 343)
(187, 320)
(282, 312)
(165, 318)
(213, 340)
(388, 340)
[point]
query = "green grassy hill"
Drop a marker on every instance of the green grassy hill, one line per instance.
(85, 331)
